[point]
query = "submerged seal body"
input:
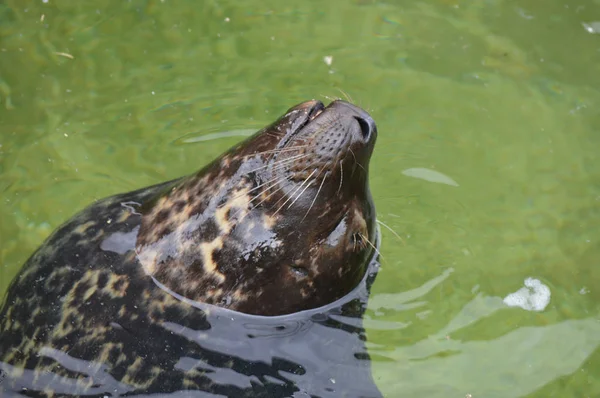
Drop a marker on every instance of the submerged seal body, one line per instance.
(130, 295)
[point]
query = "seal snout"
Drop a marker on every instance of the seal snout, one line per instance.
(366, 124)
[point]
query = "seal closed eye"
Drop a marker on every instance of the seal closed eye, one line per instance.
(281, 223)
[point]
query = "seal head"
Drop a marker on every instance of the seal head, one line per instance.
(281, 223)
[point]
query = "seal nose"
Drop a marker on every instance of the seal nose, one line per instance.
(367, 126)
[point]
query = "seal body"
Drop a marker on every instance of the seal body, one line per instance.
(205, 283)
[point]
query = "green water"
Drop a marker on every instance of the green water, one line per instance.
(500, 97)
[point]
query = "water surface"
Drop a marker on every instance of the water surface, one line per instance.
(486, 165)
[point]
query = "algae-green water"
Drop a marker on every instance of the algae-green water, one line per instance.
(486, 169)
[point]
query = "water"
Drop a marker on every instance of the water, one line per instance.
(498, 97)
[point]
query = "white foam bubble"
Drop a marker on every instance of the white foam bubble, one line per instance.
(535, 296)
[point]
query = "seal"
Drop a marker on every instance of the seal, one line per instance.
(282, 223)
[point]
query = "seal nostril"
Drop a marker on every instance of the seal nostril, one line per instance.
(365, 127)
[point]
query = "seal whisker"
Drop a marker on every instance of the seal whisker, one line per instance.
(356, 161)
(265, 183)
(279, 162)
(371, 244)
(269, 187)
(255, 188)
(300, 194)
(391, 230)
(290, 159)
(329, 98)
(346, 95)
(283, 166)
(288, 149)
(341, 176)
(292, 194)
(269, 195)
(278, 151)
(296, 190)
(316, 195)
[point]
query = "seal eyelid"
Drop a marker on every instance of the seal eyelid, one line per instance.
(316, 110)
(311, 114)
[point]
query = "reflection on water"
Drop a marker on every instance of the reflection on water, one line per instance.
(317, 352)
(448, 364)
